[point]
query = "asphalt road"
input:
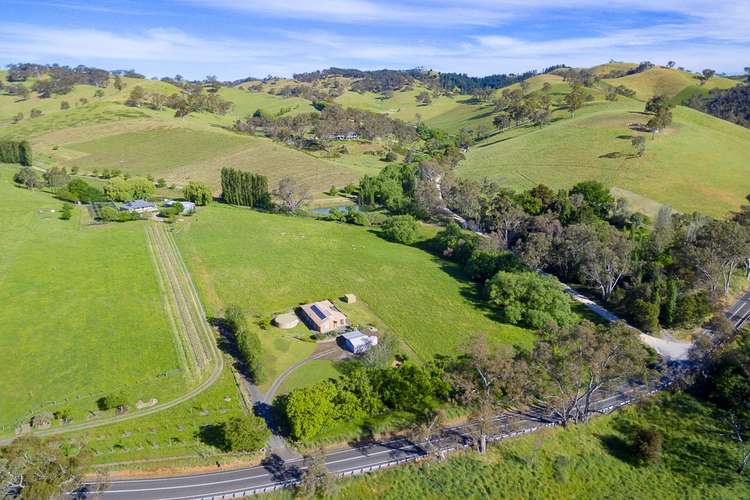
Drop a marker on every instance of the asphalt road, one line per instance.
(739, 313)
(275, 473)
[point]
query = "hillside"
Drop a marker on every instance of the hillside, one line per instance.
(668, 82)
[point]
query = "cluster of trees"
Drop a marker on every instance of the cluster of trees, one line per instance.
(563, 374)
(136, 188)
(317, 130)
(364, 392)
(461, 82)
(16, 152)
(732, 104)
(247, 341)
(54, 79)
(197, 192)
(244, 188)
(515, 108)
(643, 66)
(193, 100)
(660, 108)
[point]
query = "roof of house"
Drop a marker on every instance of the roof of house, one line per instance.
(185, 204)
(323, 311)
(137, 204)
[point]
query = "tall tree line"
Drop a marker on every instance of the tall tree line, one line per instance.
(15, 152)
(244, 188)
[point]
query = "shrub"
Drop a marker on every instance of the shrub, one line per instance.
(248, 342)
(401, 229)
(112, 401)
(644, 315)
(67, 211)
(247, 433)
(483, 265)
(647, 444)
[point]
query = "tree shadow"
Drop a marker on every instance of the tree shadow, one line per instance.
(625, 137)
(613, 155)
(619, 448)
(279, 470)
(213, 435)
(494, 142)
(227, 343)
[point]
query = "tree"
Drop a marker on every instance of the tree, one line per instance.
(27, 177)
(118, 83)
(529, 299)
(246, 433)
(706, 75)
(671, 64)
(197, 192)
(244, 188)
(502, 120)
(99, 93)
(575, 99)
(118, 189)
(488, 378)
(639, 143)
(661, 120)
(67, 211)
(316, 478)
(310, 409)
(64, 105)
(56, 177)
(606, 258)
(718, 250)
(569, 366)
(247, 342)
(39, 469)
(381, 355)
(35, 113)
(401, 229)
(505, 216)
(596, 196)
(137, 96)
(292, 194)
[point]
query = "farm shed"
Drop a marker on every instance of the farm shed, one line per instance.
(187, 206)
(138, 206)
(357, 342)
(323, 316)
(286, 321)
(349, 298)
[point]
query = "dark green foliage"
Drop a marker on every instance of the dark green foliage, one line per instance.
(483, 265)
(112, 401)
(647, 444)
(27, 177)
(644, 315)
(15, 152)
(244, 188)
(197, 192)
(80, 190)
(530, 299)
(364, 392)
(692, 309)
(401, 229)
(56, 177)
(247, 434)
(454, 243)
(248, 342)
(731, 104)
(596, 196)
(67, 211)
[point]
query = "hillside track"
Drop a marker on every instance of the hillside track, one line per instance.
(187, 316)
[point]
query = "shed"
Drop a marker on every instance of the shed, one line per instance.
(323, 316)
(357, 342)
(187, 206)
(286, 321)
(349, 298)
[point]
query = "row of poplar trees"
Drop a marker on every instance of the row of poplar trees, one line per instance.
(15, 152)
(244, 188)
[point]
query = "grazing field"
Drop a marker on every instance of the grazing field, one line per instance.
(590, 461)
(668, 82)
(678, 168)
(270, 263)
(82, 313)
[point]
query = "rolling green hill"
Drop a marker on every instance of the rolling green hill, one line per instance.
(668, 82)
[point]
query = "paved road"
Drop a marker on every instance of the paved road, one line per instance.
(739, 313)
(276, 473)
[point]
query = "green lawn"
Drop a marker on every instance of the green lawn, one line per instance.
(270, 263)
(309, 374)
(696, 164)
(590, 461)
(82, 313)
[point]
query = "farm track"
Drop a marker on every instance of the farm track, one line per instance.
(197, 344)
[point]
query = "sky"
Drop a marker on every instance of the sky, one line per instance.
(233, 39)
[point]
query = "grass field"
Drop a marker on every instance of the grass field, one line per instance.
(668, 82)
(82, 312)
(678, 168)
(590, 461)
(270, 263)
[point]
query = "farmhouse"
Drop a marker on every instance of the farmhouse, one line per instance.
(323, 316)
(187, 206)
(138, 206)
(357, 342)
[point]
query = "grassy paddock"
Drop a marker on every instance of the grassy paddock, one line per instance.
(269, 263)
(81, 314)
(589, 461)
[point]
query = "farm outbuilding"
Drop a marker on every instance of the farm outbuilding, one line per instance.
(357, 342)
(286, 321)
(187, 206)
(349, 298)
(138, 206)
(323, 316)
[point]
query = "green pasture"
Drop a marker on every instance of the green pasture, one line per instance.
(588, 461)
(698, 163)
(82, 313)
(270, 263)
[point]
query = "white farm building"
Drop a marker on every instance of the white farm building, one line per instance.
(357, 342)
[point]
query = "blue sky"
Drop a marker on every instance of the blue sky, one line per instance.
(238, 38)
